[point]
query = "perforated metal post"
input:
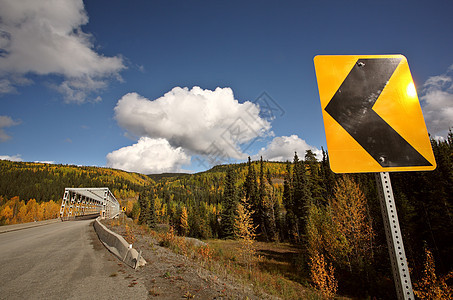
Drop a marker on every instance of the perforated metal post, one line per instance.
(394, 237)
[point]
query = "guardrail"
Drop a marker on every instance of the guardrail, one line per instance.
(116, 244)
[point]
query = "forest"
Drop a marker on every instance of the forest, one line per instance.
(33, 191)
(334, 219)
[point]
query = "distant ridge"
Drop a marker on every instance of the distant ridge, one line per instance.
(157, 177)
(44, 182)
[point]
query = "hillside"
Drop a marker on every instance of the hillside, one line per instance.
(45, 182)
(303, 203)
(333, 221)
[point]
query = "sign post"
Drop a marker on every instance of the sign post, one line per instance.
(374, 123)
(394, 237)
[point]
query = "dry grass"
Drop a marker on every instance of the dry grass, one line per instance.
(275, 272)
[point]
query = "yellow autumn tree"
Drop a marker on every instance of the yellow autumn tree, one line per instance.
(184, 221)
(348, 210)
(339, 234)
(431, 286)
(323, 276)
(50, 210)
(245, 231)
(321, 239)
(15, 211)
(22, 215)
(6, 214)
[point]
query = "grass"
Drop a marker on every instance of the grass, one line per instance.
(273, 272)
(277, 269)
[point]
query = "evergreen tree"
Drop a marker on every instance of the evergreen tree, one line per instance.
(151, 212)
(253, 195)
(147, 212)
(430, 203)
(250, 186)
(316, 186)
(229, 205)
(288, 202)
(301, 195)
(273, 210)
(261, 204)
(327, 176)
(142, 201)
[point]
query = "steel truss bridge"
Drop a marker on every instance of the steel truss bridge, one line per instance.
(78, 202)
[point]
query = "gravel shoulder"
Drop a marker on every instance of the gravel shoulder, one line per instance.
(168, 275)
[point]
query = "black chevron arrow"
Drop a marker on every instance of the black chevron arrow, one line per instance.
(352, 107)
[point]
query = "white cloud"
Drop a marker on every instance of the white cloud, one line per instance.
(45, 161)
(437, 103)
(45, 37)
(282, 148)
(148, 156)
(16, 157)
(197, 120)
(6, 121)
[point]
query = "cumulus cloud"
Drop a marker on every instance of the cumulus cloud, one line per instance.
(148, 156)
(282, 148)
(16, 157)
(45, 37)
(437, 103)
(6, 121)
(194, 119)
(45, 161)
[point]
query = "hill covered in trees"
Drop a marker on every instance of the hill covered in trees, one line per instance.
(44, 182)
(336, 219)
(33, 191)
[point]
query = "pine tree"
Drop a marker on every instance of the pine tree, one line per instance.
(262, 212)
(301, 195)
(142, 201)
(429, 198)
(272, 209)
(250, 182)
(151, 212)
(291, 222)
(316, 186)
(327, 176)
(252, 193)
(147, 212)
(229, 205)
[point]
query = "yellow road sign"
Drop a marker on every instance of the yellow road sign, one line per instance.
(372, 115)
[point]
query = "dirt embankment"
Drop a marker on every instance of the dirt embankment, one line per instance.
(168, 275)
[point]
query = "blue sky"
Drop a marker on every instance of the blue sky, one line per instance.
(160, 86)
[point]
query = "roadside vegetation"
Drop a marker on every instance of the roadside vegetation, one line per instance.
(291, 229)
(333, 221)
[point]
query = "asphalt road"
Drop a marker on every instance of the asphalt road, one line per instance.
(63, 260)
